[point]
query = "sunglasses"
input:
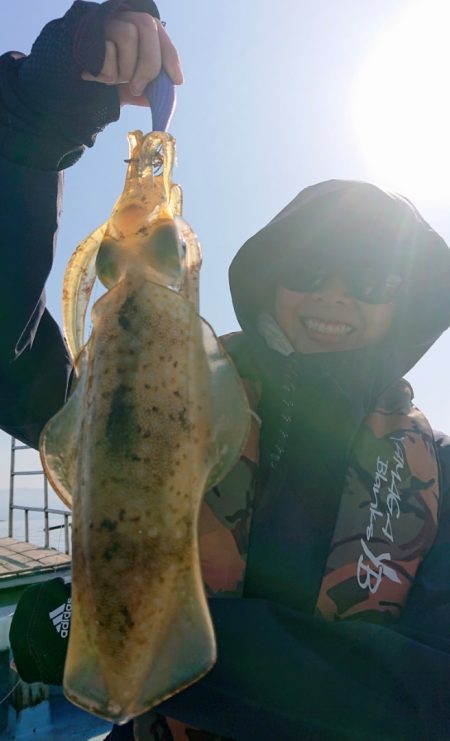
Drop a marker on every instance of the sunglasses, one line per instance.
(364, 283)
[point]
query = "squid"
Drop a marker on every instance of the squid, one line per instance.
(157, 416)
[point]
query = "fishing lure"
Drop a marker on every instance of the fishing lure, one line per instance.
(158, 415)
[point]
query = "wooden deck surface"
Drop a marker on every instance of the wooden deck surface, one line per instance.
(18, 558)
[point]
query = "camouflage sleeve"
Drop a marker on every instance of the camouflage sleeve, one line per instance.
(428, 608)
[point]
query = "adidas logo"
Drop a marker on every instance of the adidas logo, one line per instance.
(61, 618)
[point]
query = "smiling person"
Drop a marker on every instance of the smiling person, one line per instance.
(333, 600)
(326, 551)
(330, 311)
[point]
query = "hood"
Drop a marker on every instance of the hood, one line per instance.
(350, 218)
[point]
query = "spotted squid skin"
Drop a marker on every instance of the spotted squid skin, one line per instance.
(147, 453)
(157, 415)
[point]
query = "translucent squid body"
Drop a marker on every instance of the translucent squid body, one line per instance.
(157, 416)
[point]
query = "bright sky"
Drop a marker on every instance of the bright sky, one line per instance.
(279, 96)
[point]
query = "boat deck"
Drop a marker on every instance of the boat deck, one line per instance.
(18, 558)
(22, 564)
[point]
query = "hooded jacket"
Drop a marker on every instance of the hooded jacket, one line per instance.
(283, 672)
(307, 457)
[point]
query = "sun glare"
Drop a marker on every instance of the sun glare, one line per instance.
(402, 102)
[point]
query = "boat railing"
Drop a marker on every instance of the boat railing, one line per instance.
(26, 509)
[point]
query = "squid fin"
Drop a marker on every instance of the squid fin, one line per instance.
(60, 439)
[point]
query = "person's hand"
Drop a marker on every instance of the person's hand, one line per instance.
(137, 46)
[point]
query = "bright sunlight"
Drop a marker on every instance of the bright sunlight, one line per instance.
(402, 102)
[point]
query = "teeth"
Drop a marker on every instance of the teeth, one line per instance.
(330, 328)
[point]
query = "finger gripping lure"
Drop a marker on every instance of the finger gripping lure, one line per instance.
(157, 416)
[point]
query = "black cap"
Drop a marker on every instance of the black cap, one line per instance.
(39, 631)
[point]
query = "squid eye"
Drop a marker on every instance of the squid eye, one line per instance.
(109, 263)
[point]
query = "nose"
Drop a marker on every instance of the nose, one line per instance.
(334, 289)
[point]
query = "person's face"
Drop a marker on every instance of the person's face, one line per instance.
(329, 319)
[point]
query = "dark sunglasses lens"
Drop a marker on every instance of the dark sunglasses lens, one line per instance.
(309, 276)
(364, 283)
(372, 286)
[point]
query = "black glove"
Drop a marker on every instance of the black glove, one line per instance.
(48, 114)
(89, 38)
